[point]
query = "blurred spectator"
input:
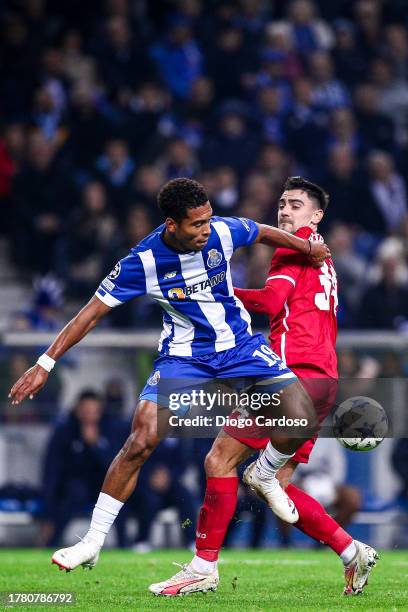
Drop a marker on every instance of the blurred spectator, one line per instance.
(396, 49)
(351, 271)
(45, 312)
(47, 114)
(343, 185)
(226, 193)
(376, 128)
(279, 38)
(385, 304)
(53, 79)
(383, 203)
(146, 185)
(233, 144)
(257, 188)
(19, 65)
(329, 92)
(122, 60)
(308, 31)
(392, 96)
(42, 195)
(274, 163)
(357, 374)
(178, 58)
(79, 452)
(178, 160)
(114, 397)
(88, 127)
(343, 130)
(115, 169)
(91, 230)
(270, 116)
(76, 65)
(146, 114)
(368, 17)
(228, 61)
(350, 65)
(306, 127)
(272, 74)
(200, 102)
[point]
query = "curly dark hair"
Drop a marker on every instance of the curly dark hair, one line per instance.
(312, 190)
(176, 196)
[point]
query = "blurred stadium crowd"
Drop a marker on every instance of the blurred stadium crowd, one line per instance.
(102, 102)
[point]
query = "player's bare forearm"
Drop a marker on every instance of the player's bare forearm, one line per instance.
(35, 378)
(78, 327)
(275, 237)
(317, 252)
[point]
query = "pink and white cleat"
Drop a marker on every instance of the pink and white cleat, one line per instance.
(186, 581)
(357, 571)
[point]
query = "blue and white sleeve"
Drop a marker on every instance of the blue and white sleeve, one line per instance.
(243, 231)
(126, 281)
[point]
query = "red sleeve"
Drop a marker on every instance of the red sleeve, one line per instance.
(286, 266)
(279, 285)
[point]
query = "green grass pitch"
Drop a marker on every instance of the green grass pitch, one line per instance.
(250, 581)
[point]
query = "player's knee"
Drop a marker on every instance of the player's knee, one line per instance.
(214, 464)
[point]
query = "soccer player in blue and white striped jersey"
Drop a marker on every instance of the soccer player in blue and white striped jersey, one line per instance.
(185, 266)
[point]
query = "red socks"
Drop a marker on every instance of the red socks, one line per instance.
(316, 523)
(215, 515)
(219, 506)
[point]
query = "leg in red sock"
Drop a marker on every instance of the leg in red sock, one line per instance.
(215, 515)
(316, 523)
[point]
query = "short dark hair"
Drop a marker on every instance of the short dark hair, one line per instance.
(312, 190)
(88, 394)
(176, 196)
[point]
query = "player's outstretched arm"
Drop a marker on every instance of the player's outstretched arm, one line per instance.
(35, 378)
(317, 252)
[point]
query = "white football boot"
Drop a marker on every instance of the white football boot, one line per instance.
(85, 553)
(272, 493)
(357, 571)
(186, 581)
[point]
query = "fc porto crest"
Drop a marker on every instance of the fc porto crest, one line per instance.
(154, 379)
(115, 272)
(214, 258)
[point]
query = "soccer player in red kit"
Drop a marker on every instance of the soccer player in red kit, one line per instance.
(301, 303)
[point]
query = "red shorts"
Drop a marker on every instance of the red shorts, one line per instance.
(322, 390)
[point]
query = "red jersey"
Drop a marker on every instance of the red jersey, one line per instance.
(301, 302)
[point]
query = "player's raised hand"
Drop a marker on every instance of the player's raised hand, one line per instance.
(28, 384)
(319, 251)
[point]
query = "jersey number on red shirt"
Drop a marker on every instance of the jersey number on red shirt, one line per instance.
(328, 280)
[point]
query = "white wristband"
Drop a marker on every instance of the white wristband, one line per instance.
(46, 362)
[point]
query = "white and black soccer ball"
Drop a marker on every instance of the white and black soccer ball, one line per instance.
(360, 423)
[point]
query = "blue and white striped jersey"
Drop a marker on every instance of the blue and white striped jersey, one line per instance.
(201, 313)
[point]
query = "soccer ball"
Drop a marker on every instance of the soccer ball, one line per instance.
(360, 423)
